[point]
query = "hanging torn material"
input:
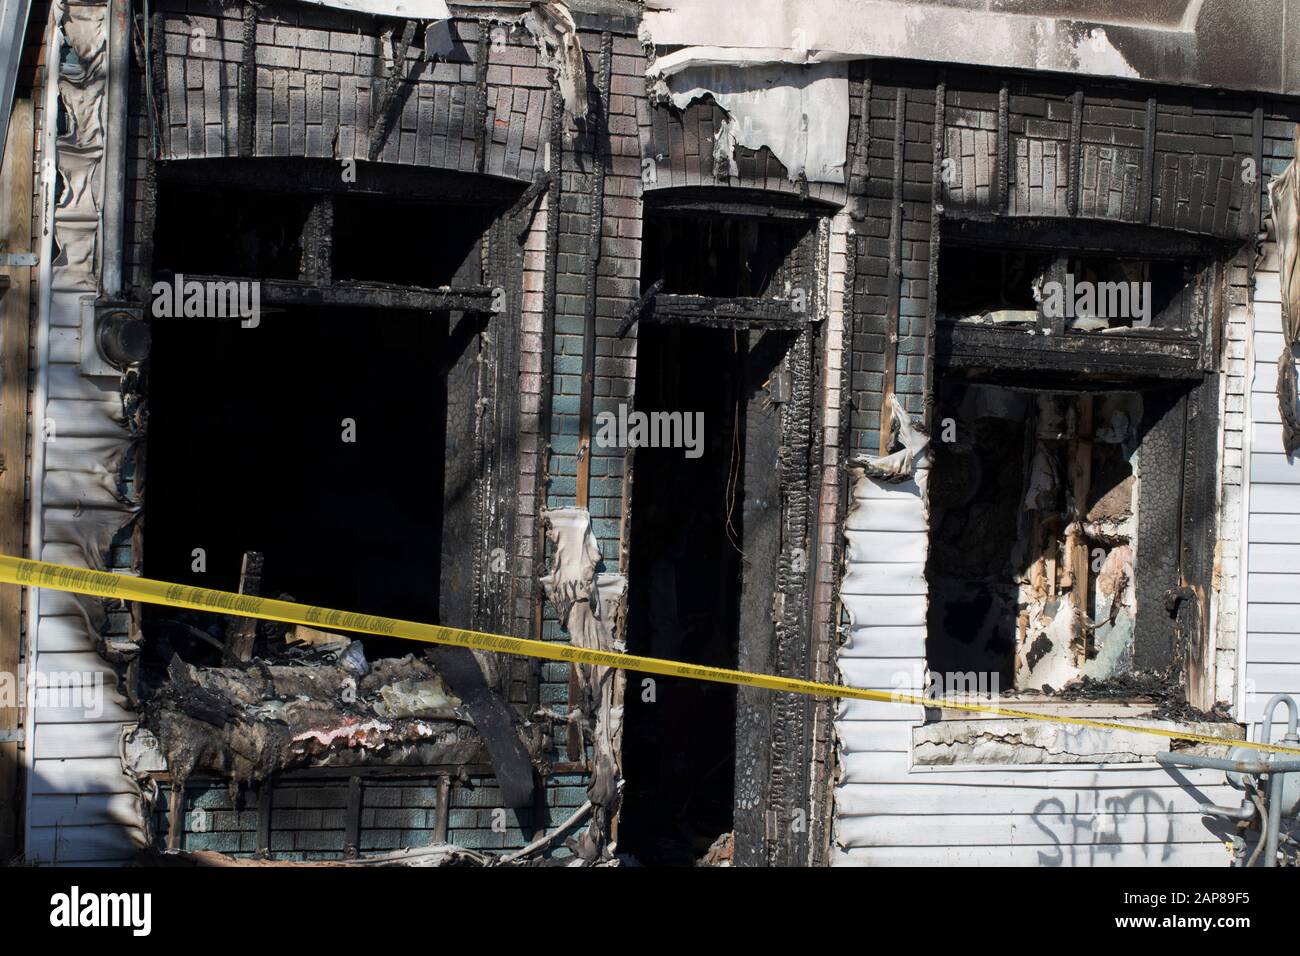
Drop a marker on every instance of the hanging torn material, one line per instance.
(551, 24)
(1284, 197)
(590, 608)
(799, 112)
(902, 464)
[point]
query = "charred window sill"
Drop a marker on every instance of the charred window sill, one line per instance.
(955, 740)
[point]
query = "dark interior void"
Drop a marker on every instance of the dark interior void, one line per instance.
(1035, 510)
(246, 452)
(685, 561)
(217, 230)
(978, 279)
(229, 232)
(425, 244)
(721, 256)
(975, 280)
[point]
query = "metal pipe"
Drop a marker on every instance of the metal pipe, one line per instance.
(115, 135)
(1274, 818)
(1243, 812)
(1266, 731)
(1251, 766)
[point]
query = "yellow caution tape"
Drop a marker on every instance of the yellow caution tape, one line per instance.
(61, 577)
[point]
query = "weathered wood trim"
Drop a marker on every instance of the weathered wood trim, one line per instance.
(16, 188)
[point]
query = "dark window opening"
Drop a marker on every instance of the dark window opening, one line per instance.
(229, 232)
(720, 256)
(1036, 502)
(1083, 291)
(423, 244)
(247, 453)
(686, 540)
(976, 280)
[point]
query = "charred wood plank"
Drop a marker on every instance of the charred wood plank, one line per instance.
(247, 103)
(395, 90)
(292, 292)
(724, 313)
(637, 309)
(352, 818)
(493, 719)
(243, 632)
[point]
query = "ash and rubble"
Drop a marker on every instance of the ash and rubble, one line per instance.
(311, 699)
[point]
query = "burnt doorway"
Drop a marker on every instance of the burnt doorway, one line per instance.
(705, 533)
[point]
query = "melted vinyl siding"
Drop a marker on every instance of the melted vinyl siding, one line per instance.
(889, 814)
(1272, 560)
(81, 807)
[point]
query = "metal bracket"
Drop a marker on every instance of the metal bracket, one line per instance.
(15, 736)
(19, 259)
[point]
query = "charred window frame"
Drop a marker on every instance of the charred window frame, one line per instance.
(447, 252)
(1123, 423)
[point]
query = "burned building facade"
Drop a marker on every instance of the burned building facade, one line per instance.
(939, 358)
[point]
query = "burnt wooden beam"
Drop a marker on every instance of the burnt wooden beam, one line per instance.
(637, 308)
(265, 800)
(724, 313)
(395, 85)
(1253, 221)
(555, 162)
(175, 816)
(352, 818)
(1128, 355)
(595, 222)
(859, 172)
(442, 822)
(494, 720)
(528, 200)
(247, 103)
(292, 292)
(1146, 199)
(1076, 153)
(895, 268)
(317, 264)
(1003, 156)
(243, 632)
(481, 54)
(932, 265)
(156, 84)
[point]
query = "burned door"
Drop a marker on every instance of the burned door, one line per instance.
(719, 537)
